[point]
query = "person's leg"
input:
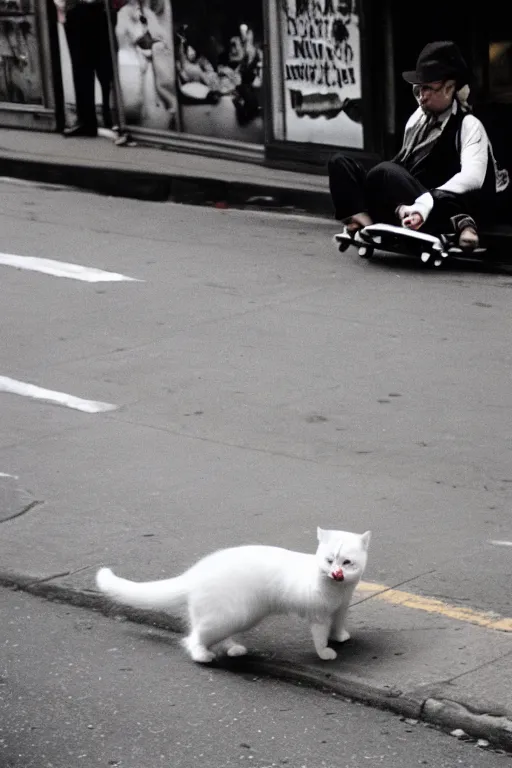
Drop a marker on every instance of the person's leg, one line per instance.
(449, 215)
(81, 40)
(388, 186)
(103, 61)
(346, 184)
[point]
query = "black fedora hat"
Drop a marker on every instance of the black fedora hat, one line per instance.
(438, 61)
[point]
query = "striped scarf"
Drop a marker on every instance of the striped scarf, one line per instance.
(418, 141)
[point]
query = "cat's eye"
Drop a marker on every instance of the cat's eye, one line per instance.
(329, 560)
(347, 562)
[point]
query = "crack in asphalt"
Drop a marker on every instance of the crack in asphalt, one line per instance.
(389, 589)
(46, 579)
(479, 666)
(23, 511)
(228, 444)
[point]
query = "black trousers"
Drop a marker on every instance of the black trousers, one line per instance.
(383, 188)
(86, 29)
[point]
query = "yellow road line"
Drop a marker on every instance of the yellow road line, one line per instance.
(432, 605)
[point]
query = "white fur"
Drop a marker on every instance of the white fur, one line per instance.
(232, 590)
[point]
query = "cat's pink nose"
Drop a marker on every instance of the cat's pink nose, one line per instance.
(338, 575)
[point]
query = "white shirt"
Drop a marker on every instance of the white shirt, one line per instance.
(474, 156)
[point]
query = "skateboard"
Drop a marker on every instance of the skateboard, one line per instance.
(430, 249)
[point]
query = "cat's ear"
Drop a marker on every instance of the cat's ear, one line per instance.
(365, 539)
(320, 534)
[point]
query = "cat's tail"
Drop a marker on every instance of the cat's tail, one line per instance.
(167, 593)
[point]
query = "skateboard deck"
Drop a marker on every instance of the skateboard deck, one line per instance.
(407, 242)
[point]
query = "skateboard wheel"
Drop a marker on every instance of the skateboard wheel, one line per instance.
(425, 256)
(363, 251)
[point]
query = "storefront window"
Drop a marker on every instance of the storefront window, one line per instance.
(322, 71)
(20, 74)
(219, 63)
(193, 66)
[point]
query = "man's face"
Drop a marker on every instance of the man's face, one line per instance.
(436, 97)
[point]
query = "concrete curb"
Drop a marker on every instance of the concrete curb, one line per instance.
(443, 713)
(168, 187)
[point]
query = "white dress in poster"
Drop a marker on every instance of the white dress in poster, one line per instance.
(145, 59)
(322, 72)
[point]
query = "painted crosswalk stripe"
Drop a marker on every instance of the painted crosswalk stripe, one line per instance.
(15, 387)
(63, 269)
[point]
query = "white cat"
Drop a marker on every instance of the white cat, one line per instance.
(232, 590)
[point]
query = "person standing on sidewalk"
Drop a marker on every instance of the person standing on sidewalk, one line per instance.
(86, 26)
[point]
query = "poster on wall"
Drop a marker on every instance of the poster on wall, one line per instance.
(20, 73)
(322, 72)
(219, 68)
(146, 64)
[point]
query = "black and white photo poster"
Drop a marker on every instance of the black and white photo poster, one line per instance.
(145, 60)
(322, 72)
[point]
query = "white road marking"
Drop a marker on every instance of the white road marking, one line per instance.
(61, 398)
(5, 474)
(63, 269)
(501, 543)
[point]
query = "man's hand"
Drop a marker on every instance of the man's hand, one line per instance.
(410, 218)
(413, 221)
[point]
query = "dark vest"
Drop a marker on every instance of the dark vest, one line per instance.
(443, 161)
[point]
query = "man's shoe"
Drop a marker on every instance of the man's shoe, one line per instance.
(79, 130)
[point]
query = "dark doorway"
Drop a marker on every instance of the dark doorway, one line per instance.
(494, 101)
(412, 29)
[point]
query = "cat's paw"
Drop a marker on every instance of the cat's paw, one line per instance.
(327, 654)
(237, 650)
(341, 637)
(202, 656)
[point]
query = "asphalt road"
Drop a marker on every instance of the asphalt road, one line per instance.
(263, 383)
(78, 689)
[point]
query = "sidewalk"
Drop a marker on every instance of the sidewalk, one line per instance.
(420, 658)
(157, 174)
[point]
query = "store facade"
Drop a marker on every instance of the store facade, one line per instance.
(282, 82)
(264, 80)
